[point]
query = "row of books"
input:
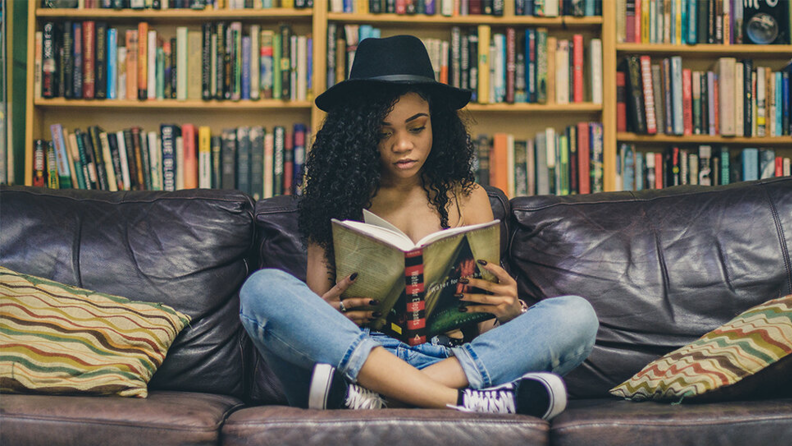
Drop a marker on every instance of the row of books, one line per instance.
(258, 162)
(553, 162)
(515, 66)
(733, 99)
(704, 165)
(223, 61)
(177, 4)
(453, 8)
(703, 21)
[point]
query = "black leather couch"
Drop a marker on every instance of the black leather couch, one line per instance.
(660, 267)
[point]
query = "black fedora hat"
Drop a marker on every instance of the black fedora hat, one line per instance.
(391, 60)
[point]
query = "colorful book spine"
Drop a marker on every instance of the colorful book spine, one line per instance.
(415, 305)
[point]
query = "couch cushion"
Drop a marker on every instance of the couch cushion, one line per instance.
(277, 425)
(610, 422)
(189, 249)
(280, 247)
(723, 363)
(660, 267)
(163, 418)
(60, 339)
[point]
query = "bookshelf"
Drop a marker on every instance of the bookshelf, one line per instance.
(523, 120)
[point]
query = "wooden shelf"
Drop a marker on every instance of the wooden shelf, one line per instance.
(511, 108)
(193, 105)
(442, 21)
(705, 49)
(704, 139)
(170, 15)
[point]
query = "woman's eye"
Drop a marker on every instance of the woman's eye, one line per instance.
(385, 135)
(418, 129)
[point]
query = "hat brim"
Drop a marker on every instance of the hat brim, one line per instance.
(456, 97)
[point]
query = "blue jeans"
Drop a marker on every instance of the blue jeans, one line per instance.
(294, 329)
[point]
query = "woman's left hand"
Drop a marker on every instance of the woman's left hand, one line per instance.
(502, 300)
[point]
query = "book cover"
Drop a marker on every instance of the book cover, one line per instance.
(415, 283)
(766, 22)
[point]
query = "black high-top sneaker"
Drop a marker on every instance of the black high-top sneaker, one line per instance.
(330, 390)
(539, 394)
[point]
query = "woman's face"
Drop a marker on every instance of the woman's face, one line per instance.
(405, 138)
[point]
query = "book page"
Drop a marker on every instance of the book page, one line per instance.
(380, 267)
(384, 234)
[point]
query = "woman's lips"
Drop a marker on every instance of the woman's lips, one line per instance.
(405, 164)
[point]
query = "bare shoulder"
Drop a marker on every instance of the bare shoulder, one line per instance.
(476, 206)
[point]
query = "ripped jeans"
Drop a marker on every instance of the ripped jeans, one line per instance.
(294, 329)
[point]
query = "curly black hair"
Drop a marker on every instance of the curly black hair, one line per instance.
(343, 166)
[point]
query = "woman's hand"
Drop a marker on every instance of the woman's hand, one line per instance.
(502, 300)
(351, 307)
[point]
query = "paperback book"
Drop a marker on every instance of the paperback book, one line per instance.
(415, 283)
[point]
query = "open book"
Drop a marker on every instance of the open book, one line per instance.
(415, 283)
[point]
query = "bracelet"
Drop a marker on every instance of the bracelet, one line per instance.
(523, 310)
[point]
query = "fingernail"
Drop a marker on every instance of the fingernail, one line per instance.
(376, 314)
(353, 276)
(463, 309)
(481, 262)
(373, 302)
(464, 280)
(459, 296)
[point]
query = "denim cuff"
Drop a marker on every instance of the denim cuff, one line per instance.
(356, 355)
(477, 375)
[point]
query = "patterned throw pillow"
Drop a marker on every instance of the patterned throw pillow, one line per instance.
(60, 339)
(723, 360)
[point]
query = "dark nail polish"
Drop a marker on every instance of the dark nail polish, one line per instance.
(464, 280)
(481, 262)
(373, 302)
(463, 309)
(459, 296)
(353, 276)
(376, 314)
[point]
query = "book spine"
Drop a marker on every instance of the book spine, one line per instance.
(279, 147)
(256, 162)
(62, 157)
(89, 59)
(217, 161)
(637, 110)
(107, 156)
(300, 138)
(511, 68)
(102, 57)
(229, 159)
(204, 157)
(269, 162)
(687, 102)
(676, 85)
(151, 87)
(112, 63)
(181, 63)
(142, 61)
(255, 62)
(267, 64)
(285, 61)
(648, 94)
(415, 330)
(207, 60)
(190, 159)
(483, 64)
(168, 135)
(577, 66)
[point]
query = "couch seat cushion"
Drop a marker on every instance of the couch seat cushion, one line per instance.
(161, 419)
(610, 422)
(279, 425)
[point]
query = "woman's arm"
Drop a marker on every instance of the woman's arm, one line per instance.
(318, 275)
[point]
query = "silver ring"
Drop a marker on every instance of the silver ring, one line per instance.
(341, 306)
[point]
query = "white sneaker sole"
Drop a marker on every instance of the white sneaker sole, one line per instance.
(556, 389)
(320, 386)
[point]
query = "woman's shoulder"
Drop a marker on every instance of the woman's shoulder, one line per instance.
(474, 203)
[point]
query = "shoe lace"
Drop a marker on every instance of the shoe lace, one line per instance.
(489, 401)
(361, 398)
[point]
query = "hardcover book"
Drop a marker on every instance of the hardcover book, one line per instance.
(415, 283)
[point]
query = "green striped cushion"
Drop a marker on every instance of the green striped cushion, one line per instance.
(60, 339)
(739, 349)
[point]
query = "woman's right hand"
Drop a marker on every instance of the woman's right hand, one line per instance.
(351, 307)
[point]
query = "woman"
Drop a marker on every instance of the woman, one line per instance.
(394, 144)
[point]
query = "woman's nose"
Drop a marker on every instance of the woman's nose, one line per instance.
(402, 143)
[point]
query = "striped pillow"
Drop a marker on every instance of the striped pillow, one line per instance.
(710, 368)
(60, 339)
